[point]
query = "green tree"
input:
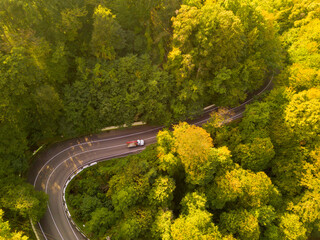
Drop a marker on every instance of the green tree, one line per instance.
(147, 25)
(161, 193)
(107, 35)
(199, 51)
(265, 215)
(13, 149)
(291, 227)
(217, 51)
(255, 155)
(305, 48)
(287, 168)
(302, 114)
(136, 224)
(240, 223)
(111, 93)
(80, 115)
(168, 161)
(306, 205)
(196, 225)
(193, 201)
(124, 199)
(21, 199)
(243, 187)
(256, 120)
(101, 220)
(87, 206)
(71, 22)
(217, 122)
(193, 146)
(272, 233)
(47, 111)
(303, 77)
(162, 225)
(6, 233)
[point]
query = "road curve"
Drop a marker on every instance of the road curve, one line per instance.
(53, 167)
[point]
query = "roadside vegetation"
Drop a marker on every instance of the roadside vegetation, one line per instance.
(73, 67)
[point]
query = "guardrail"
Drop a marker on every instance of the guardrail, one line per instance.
(64, 198)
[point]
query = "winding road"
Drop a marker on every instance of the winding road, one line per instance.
(55, 166)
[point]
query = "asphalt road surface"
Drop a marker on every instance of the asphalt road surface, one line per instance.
(54, 167)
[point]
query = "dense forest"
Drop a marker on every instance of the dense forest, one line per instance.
(73, 67)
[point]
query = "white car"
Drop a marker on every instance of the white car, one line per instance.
(135, 143)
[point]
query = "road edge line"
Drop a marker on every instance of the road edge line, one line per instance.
(34, 229)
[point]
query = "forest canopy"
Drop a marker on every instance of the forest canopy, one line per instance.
(69, 68)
